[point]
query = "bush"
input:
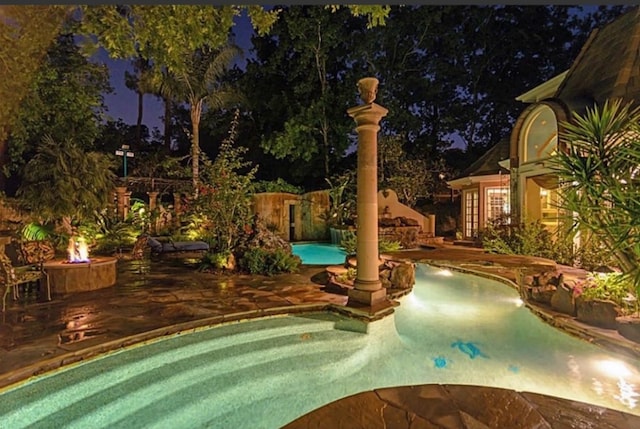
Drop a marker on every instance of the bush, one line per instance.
(614, 287)
(269, 262)
(388, 246)
(214, 261)
(529, 238)
(348, 244)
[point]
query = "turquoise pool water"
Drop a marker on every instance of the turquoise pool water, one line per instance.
(453, 328)
(319, 253)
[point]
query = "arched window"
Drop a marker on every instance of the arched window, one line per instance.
(540, 137)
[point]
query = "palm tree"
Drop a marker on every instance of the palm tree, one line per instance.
(141, 82)
(199, 86)
(78, 183)
(600, 180)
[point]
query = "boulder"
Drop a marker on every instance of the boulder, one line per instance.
(542, 294)
(597, 312)
(403, 276)
(563, 300)
(629, 327)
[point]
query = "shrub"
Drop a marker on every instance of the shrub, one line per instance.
(529, 238)
(269, 262)
(614, 287)
(214, 261)
(388, 246)
(348, 244)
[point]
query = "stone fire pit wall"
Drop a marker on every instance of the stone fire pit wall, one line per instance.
(67, 278)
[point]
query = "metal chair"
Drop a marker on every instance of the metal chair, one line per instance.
(12, 277)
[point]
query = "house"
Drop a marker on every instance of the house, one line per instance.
(608, 66)
(485, 190)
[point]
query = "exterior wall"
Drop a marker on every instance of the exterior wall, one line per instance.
(525, 192)
(397, 209)
(480, 184)
(306, 224)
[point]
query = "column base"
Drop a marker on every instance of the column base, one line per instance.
(369, 305)
(369, 286)
(367, 297)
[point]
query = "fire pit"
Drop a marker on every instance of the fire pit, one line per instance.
(79, 273)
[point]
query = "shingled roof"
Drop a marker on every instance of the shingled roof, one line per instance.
(487, 164)
(608, 65)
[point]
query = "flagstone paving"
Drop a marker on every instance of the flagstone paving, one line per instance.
(159, 297)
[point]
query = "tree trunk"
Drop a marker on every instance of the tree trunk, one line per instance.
(196, 109)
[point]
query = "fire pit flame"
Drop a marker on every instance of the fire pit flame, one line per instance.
(78, 250)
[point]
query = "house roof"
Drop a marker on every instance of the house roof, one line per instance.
(487, 164)
(544, 90)
(608, 65)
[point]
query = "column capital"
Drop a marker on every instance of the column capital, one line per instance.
(367, 114)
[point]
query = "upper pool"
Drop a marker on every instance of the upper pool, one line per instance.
(319, 253)
(453, 328)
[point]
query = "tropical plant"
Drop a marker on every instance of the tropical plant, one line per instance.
(599, 176)
(107, 234)
(78, 183)
(349, 242)
(385, 245)
(200, 85)
(342, 200)
(269, 262)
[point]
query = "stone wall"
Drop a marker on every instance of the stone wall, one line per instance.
(306, 224)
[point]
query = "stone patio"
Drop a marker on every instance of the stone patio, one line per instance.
(161, 297)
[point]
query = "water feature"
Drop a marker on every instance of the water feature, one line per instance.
(453, 328)
(319, 253)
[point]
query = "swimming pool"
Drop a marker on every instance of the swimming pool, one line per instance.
(319, 253)
(453, 328)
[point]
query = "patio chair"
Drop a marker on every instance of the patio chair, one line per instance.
(11, 277)
(164, 245)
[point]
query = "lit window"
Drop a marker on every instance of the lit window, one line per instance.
(471, 216)
(497, 202)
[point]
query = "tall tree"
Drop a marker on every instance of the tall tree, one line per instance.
(162, 34)
(26, 32)
(300, 86)
(141, 81)
(65, 101)
(200, 86)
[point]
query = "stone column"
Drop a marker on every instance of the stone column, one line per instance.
(153, 199)
(122, 198)
(368, 289)
(177, 208)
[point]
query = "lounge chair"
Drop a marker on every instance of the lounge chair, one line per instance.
(162, 245)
